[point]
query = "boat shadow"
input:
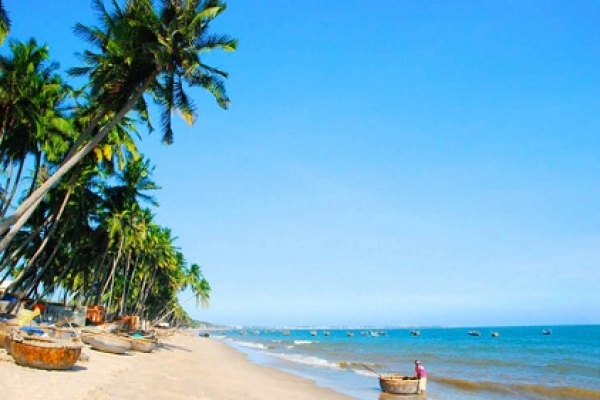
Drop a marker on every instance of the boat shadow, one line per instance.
(77, 368)
(171, 347)
(389, 396)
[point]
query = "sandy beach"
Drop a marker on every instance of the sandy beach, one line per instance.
(184, 367)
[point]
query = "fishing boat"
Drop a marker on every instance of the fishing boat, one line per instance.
(547, 332)
(415, 332)
(106, 342)
(495, 334)
(474, 333)
(398, 384)
(43, 352)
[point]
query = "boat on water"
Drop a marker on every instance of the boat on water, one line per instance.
(350, 334)
(474, 333)
(495, 334)
(415, 332)
(44, 352)
(313, 333)
(547, 332)
(399, 384)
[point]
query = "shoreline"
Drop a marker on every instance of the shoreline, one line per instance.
(183, 367)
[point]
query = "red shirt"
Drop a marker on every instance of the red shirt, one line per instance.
(421, 372)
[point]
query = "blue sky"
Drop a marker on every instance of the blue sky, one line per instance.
(388, 163)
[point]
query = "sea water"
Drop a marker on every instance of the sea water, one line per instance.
(520, 363)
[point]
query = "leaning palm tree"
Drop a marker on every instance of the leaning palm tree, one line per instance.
(140, 50)
(4, 23)
(31, 118)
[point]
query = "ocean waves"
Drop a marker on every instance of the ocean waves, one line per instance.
(527, 391)
(520, 364)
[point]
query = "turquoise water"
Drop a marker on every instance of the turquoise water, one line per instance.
(521, 363)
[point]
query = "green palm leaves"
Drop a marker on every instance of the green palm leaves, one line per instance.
(4, 23)
(137, 48)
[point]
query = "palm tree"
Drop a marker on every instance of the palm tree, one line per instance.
(140, 50)
(4, 23)
(195, 280)
(30, 116)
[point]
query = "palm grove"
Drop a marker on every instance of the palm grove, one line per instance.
(75, 193)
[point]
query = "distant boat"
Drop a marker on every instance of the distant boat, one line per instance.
(495, 334)
(374, 333)
(474, 333)
(313, 333)
(415, 332)
(326, 333)
(349, 334)
(547, 332)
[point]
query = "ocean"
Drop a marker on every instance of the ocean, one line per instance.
(519, 363)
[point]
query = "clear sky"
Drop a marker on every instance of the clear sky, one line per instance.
(386, 163)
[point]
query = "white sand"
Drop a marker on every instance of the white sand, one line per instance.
(184, 367)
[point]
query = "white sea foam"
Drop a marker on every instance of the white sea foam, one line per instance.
(252, 345)
(363, 372)
(303, 342)
(307, 360)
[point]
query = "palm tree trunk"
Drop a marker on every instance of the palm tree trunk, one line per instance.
(128, 284)
(172, 310)
(147, 291)
(7, 200)
(11, 259)
(125, 274)
(35, 281)
(59, 279)
(31, 262)
(14, 188)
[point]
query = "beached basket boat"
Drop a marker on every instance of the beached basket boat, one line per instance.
(399, 384)
(44, 353)
(106, 342)
(142, 345)
(5, 331)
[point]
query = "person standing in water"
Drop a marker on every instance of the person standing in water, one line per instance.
(421, 375)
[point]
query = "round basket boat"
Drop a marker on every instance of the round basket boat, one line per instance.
(107, 342)
(142, 345)
(399, 384)
(44, 353)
